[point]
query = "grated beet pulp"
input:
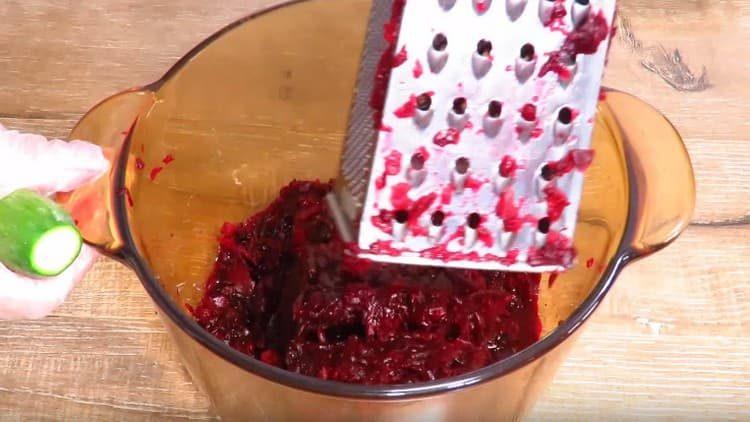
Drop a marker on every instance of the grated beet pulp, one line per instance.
(286, 290)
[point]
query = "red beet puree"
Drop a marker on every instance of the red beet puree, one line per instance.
(285, 290)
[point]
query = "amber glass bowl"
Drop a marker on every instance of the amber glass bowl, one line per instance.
(265, 101)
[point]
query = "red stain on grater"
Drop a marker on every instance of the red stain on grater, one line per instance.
(482, 130)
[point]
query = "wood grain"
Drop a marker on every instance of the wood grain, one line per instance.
(669, 342)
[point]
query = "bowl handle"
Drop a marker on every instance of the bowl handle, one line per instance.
(107, 125)
(662, 184)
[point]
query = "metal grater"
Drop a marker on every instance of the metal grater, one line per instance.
(349, 194)
(478, 159)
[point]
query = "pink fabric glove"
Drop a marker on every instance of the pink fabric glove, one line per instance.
(33, 162)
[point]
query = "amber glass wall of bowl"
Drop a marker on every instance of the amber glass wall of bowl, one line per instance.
(265, 101)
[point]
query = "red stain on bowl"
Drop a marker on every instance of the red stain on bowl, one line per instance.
(155, 172)
(128, 197)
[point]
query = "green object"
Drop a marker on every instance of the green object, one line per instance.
(37, 238)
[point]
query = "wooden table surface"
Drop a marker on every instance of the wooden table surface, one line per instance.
(670, 341)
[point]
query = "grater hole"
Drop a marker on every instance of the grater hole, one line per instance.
(460, 105)
(424, 102)
(417, 161)
(401, 216)
(440, 42)
(547, 173)
(495, 109)
(473, 220)
(527, 52)
(484, 48)
(528, 112)
(437, 218)
(507, 166)
(462, 165)
(544, 225)
(565, 115)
